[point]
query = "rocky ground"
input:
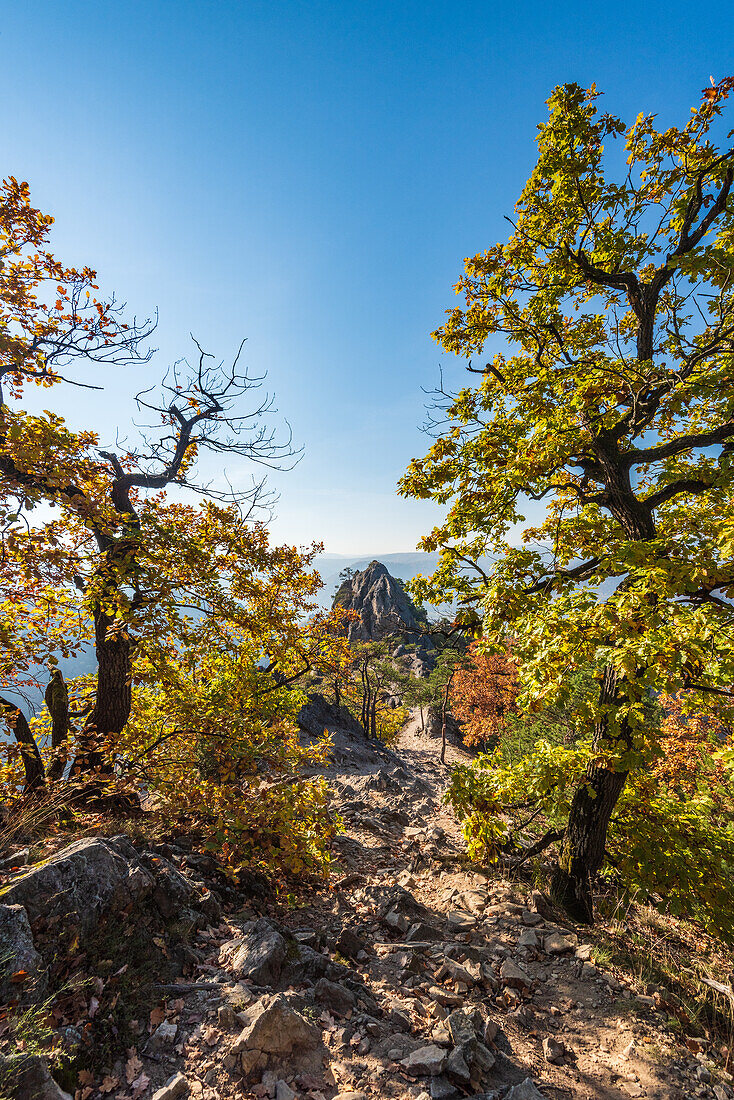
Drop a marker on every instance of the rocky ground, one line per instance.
(410, 976)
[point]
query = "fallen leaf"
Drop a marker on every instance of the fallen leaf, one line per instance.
(133, 1067)
(157, 1016)
(140, 1085)
(93, 1007)
(109, 1084)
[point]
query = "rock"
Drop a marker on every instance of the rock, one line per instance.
(175, 1087)
(260, 955)
(227, 1017)
(464, 1025)
(553, 1051)
(18, 954)
(583, 951)
(514, 976)
(428, 1060)
(283, 1091)
(441, 1089)
(457, 973)
(460, 921)
(526, 1090)
(422, 933)
(70, 891)
(528, 938)
(349, 944)
(334, 997)
(384, 608)
(163, 1036)
(457, 1068)
(351, 1096)
(539, 903)
(703, 1074)
(173, 892)
(558, 943)
(27, 1077)
(398, 922)
(531, 919)
(273, 1028)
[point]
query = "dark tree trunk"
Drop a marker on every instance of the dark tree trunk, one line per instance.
(31, 757)
(585, 838)
(113, 697)
(57, 702)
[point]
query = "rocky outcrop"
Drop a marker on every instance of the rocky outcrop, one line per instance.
(22, 973)
(385, 610)
(66, 897)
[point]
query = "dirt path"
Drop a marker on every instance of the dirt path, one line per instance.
(425, 978)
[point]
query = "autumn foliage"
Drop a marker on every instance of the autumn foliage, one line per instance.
(483, 696)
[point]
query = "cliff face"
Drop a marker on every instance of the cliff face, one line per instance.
(384, 608)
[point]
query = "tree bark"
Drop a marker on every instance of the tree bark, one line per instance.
(114, 693)
(585, 837)
(32, 764)
(57, 702)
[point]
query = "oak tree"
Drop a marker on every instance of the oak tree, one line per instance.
(606, 325)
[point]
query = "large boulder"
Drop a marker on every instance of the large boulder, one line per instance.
(22, 973)
(67, 897)
(259, 955)
(72, 889)
(273, 1031)
(27, 1077)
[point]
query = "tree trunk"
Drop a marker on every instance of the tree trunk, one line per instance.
(31, 757)
(57, 702)
(585, 838)
(114, 694)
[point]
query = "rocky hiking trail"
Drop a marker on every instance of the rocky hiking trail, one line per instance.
(411, 975)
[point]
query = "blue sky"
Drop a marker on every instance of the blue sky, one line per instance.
(310, 175)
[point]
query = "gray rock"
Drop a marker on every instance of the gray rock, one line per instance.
(528, 938)
(558, 943)
(173, 891)
(464, 1025)
(526, 1090)
(384, 608)
(27, 1077)
(349, 943)
(273, 1027)
(513, 975)
(457, 1068)
(283, 1091)
(163, 1036)
(18, 953)
(334, 997)
(260, 955)
(553, 1051)
(70, 891)
(428, 1060)
(441, 1089)
(351, 1096)
(174, 1088)
(531, 918)
(461, 921)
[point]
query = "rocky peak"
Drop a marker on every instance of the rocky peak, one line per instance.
(384, 607)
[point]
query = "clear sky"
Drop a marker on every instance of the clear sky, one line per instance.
(310, 175)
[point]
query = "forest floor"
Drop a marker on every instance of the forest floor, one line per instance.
(416, 932)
